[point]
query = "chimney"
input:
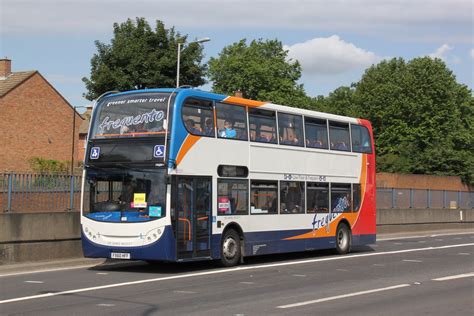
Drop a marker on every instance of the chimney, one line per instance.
(238, 94)
(5, 68)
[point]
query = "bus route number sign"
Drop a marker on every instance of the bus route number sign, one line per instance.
(159, 151)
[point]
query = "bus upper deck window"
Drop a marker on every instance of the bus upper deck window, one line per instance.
(290, 129)
(231, 121)
(316, 132)
(339, 136)
(262, 126)
(198, 117)
(361, 139)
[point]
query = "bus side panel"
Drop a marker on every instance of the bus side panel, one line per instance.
(261, 243)
(162, 250)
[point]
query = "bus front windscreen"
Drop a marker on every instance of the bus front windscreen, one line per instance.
(125, 195)
(131, 115)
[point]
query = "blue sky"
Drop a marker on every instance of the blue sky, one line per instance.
(334, 40)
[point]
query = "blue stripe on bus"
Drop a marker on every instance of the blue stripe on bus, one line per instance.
(164, 249)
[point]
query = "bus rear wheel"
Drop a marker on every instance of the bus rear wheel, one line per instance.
(343, 239)
(230, 248)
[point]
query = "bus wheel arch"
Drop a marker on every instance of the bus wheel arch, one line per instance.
(232, 245)
(343, 237)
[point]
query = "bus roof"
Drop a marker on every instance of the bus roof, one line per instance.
(188, 92)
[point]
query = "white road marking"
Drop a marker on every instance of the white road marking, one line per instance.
(247, 282)
(464, 254)
(102, 273)
(105, 305)
(425, 236)
(35, 282)
(378, 265)
(408, 260)
(49, 270)
(422, 241)
(332, 298)
(453, 277)
(229, 270)
(398, 243)
(185, 292)
(299, 275)
(457, 238)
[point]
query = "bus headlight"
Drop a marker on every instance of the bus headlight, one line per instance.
(91, 235)
(153, 235)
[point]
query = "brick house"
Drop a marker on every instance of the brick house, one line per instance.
(35, 120)
(83, 131)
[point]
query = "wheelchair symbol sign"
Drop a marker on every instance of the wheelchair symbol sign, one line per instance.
(95, 152)
(159, 151)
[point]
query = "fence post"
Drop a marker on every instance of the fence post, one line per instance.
(10, 190)
(394, 198)
(412, 197)
(428, 198)
(445, 199)
(71, 196)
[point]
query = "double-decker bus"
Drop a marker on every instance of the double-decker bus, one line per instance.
(183, 174)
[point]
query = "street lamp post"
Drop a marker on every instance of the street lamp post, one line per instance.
(202, 40)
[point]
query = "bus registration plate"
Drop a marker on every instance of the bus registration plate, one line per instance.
(120, 255)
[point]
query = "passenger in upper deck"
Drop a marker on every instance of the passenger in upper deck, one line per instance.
(341, 146)
(261, 138)
(228, 131)
(290, 140)
(190, 126)
(209, 128)
(315, 143)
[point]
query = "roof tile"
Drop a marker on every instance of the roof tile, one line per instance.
(14, 80)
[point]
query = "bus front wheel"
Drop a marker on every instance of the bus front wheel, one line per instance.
(230, 249)
(343, 239)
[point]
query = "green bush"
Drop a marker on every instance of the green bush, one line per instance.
(42, 165)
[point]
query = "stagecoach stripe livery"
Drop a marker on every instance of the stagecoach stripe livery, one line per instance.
(183, 174)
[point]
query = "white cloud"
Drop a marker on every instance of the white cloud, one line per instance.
(472, 53)
(441, 52)
(330, 55)
(376, 16)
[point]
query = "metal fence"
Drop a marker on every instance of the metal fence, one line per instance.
(39, 192)
(44, 192)
(419, 199)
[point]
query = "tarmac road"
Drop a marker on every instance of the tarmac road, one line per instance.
(432, 275)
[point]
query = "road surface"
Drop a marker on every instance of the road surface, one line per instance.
(418, 275)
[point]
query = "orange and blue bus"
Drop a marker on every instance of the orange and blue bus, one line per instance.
(183, 174)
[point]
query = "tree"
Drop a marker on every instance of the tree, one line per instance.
(139, 57)
(339, 102)
(261, 70)
(423, 119)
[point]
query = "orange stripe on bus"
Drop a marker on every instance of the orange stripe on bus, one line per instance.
(246, 102)
(187, 144)
(322, 231)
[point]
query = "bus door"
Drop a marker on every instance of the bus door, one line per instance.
(193, 216)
